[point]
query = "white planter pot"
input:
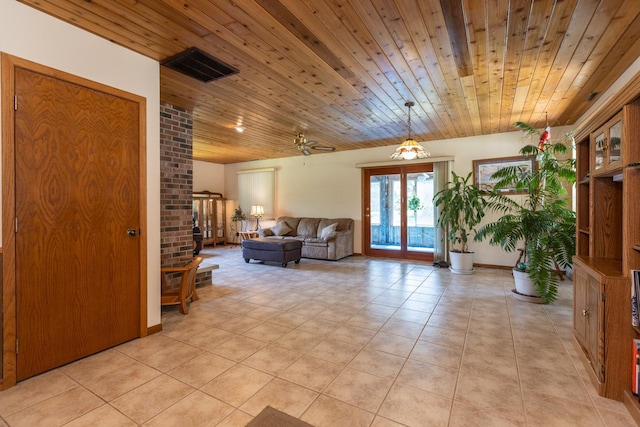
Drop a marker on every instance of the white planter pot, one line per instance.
(525, 289)
(461, 263)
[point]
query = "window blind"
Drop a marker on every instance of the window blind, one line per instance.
(257, 187)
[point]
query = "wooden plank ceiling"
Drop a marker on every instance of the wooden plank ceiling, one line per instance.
(341, 71)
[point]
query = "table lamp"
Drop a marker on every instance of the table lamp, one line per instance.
(257, 211)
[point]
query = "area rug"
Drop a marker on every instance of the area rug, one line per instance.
(271, 417)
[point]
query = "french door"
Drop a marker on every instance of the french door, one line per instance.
(398, 212)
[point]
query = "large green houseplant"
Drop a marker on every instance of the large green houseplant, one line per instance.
(543, 223)
(461, 208)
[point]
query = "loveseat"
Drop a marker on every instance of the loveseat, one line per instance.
(321, 238)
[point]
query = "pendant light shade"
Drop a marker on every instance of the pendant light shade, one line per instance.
(410, 149)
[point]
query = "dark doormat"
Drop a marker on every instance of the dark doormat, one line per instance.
(271, 417)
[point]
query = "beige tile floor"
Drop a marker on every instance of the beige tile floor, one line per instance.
(359, 342)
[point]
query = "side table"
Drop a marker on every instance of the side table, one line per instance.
(245, 235)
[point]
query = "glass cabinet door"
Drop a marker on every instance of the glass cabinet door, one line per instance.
(608, 147)
(615, 140)
(599, 151)
(210, 215)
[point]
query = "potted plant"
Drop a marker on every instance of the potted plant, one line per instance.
(542, 223)
(462, 207)
(238, 215)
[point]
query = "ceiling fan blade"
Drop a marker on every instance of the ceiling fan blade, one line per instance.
(310, 143)
(305, 151)
(321, 148)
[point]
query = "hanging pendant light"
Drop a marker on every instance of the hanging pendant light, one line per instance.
(410, 149)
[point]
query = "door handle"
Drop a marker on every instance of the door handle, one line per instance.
(131, 232)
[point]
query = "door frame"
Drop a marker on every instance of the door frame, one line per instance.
(9, 315)
(403, 253)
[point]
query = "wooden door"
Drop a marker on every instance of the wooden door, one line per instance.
(77, 192)
(594, 321)
(581, 282)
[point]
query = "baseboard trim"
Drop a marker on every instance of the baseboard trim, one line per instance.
(497, 267)
(154, 329)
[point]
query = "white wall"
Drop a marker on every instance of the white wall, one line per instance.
(35, 36)
(329, 185)
(208, 177)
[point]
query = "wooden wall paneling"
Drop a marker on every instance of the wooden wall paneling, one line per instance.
(516, 33)
(375, 88)
(549, 47)
(108, 15)
(608, 216)
(436, 53)
(568, 44)
(624, 24)
(602, 16)
(98, 25)
(497, 50)
(255, 29)
(157, 21)
(477, 31)
(342, 71)
(393, 66)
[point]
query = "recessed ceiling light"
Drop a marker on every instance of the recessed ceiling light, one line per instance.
(240, 128)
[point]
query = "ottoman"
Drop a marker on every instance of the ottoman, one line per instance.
(263, 249)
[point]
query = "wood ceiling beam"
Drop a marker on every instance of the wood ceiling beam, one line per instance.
(456, 27)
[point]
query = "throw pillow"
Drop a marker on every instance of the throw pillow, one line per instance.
(280, 229)
(329, 231)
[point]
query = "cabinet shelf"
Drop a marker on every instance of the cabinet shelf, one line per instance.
(586, 232)
(605, 267)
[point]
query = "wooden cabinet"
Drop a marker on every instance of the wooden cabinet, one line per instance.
(601, 325)
(607, 248)
(589, 317)
(209, 213)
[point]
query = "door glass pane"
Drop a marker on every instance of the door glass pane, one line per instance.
(420, 227)
(384, 213)
(615, 133)
(599, 151)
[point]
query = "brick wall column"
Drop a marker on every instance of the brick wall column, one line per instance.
(176, 188)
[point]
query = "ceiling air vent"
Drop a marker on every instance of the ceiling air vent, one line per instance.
(592, 96)
(196, 64)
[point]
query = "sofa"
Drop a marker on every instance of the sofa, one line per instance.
(321, 238)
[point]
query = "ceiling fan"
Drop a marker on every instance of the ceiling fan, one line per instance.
(303, 145)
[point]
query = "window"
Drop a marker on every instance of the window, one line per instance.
(257, 187)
